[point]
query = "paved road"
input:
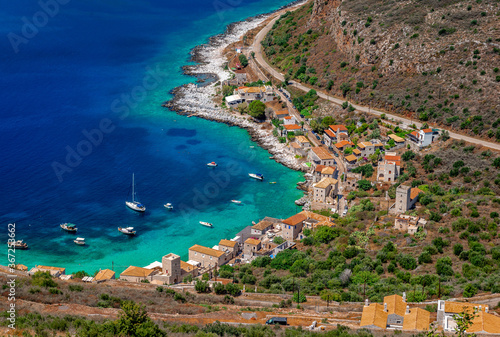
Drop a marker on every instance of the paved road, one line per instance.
(257, 48)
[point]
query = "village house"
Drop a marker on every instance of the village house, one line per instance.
(290, 128)
(422, 138)
(322, 171)
(303, 142)
(351, 180)
(207, 257)
(325, 190)
(281, 114)
(292, 226)
(389, 169)
(329, 138)
(250, 248)
(249, 94)
(406, 198)
(357, 153)
(398, 141)
(338, 133)
(483, 322)
(230, 247)
(320, 156)
(289, 120)
(396, 306)
(366, 149)
(351, 160)
(296, 149)
(408, 223)
(172, 270)
(261, 228)
(345, 144)
(373, 316)
(137, 274)
(233, 100)
(53, 271)
(314, 220)
(104, 275)
(241, 76)
(416, 319)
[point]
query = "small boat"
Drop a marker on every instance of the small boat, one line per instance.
(251, 146)
(168, 206)
(236, 201)
(69, 227)
(134, 204)
(257, 176)
(212, 164)
(127, 230)
(272, 182)
(207, 224)
(79, 241)
(19, 244)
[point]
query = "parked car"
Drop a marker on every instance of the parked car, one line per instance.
(277, 320)
(301, 116)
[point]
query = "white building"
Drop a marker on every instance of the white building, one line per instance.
(423, 138)
(389, 169)
(325, 189)
(233, 100)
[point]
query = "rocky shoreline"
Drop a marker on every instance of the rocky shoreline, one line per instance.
(197, 99)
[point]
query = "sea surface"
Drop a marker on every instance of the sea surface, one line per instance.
(81, 90)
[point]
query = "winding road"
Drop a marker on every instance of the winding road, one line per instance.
(257, 49)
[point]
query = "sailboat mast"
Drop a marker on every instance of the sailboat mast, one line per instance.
(133, 192)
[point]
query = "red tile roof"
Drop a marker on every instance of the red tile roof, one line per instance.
(427, 130)
(295, 219)
(343, 143)
(337, 128)
(330, 134)
(292, 127)
(319, 168)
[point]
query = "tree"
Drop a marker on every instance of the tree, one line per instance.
(364, 278)
(364, 184)
(327, 295)
(464, 321)
(257, 109)
(345, 87)
(408, 155)
(496, 163)
(243, 60)
(202, 286)
(134, 321)
(443, 266)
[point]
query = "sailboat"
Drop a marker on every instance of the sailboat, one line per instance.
(134, 204)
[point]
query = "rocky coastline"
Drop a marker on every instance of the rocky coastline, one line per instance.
(196, 99)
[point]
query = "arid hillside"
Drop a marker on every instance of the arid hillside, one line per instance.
(434, 60)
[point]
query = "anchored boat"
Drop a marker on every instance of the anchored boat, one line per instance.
(257, 176)
(134, 204)
(212, 164)
(207, 224)
(168, 206)
(127, 230)
(19, 244)
(236, 201)
(79, 241)
(69, 227)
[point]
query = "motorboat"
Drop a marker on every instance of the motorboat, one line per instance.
(212, 164)
(19, 244)
(134, 204)
(69, 227)
(168, 206)
(79, 241)
(257, 176)
(236, 201)
(127, 230)
(272, 182)
(206, 224)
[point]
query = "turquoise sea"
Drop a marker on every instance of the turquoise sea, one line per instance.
(84, 67)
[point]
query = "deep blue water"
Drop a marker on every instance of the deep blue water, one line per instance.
(73, 76)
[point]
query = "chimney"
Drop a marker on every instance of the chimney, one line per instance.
(367, 303)
(486, 309)
(404, 296)
(480, 308)
(407, 309)
(385, 307)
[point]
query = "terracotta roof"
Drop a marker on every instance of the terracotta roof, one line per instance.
(288, 117)
(394, 159)
(295, 145)
(51, 268)
(319, 168)
(396, 138)
(325, 182)
(427, 130)
(251, 241)
(328, 170)
(395, 305)
(137, 272)
(187, 266)
(415, 133)
(254, 90)
(485, 322)
(377, 144)
(415, 192)
(417, 319)
(364, 144)
(322, 153)
(21, 267)
(301, 139)
(374, 314)
(337, 128)
(458, 307)
(105, 274)
(227, 243)
(206, 250)
(263, 224)
(330, 133)
(292, 127)
(356, 151)
(343, 143)
(351, 158)
(295, 219)
(282, 112)
(315, 216)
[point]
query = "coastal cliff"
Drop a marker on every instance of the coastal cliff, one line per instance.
(436, 61)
